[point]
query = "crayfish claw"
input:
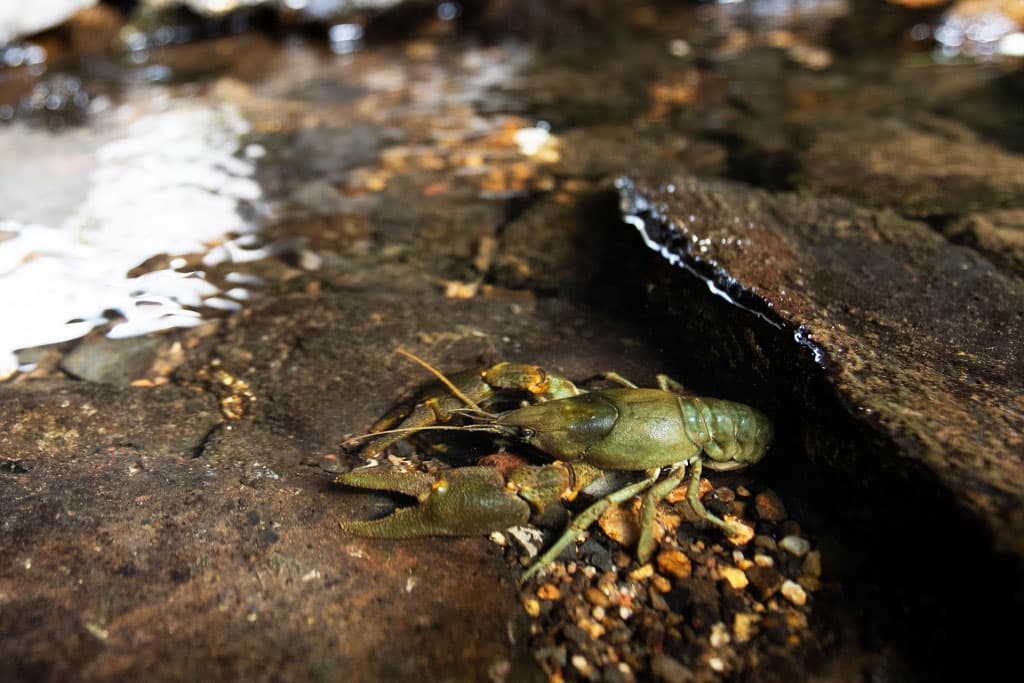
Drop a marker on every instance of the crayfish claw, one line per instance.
(467, 501)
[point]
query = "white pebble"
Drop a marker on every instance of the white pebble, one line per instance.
(794, 592)
(581, 664)
(795, 545)
(720, 635)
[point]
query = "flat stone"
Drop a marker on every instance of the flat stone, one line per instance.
(997, 234)
(116, 361)
(902, 324)
(929, 168)
(187, 526)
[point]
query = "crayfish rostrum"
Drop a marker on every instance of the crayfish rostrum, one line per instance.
(664, 433)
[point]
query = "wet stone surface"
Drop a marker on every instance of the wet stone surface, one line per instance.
(166, 502)
(890, 311)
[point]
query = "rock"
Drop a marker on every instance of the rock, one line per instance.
(667, 669)
(765, 581)
(769, 507)
(744, 626)
(895, 318)
(151, 503)
(997, 234)
(812, 564)
(735, 577)
(794, 592)
(121, 361)
(674, 562)
(933, 168)
(795, 545)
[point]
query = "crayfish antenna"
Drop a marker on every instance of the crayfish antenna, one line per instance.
(492, 428)
(444, 380)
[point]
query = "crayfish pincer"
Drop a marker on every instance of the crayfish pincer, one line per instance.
(662, 433)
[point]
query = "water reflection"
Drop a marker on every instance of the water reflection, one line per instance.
(157, 177)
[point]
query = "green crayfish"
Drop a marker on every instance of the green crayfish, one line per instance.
(664, 433)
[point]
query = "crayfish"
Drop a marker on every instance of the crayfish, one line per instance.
(665, 433)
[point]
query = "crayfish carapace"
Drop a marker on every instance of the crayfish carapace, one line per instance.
(661, 432)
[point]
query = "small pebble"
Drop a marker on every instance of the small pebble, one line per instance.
(793, 592)
(620, 524)
(812, 564)
(769, 507)
(658, 602)
(670, 670)
(576, 634)
(717, 664)
(742, 491)
(675, 562)
(593, 629)
(580, 663)
(720, 635)
(764, 560)
(548, 591)
(809, 583)
(744, 533)
(764, 542)
(642, 572)
(795, 545)
(532, 607)
(789, 528)
(724, 494)
(661, 584)
(625, 673)
(743, 625)
(736, 578)
(765, 580)
(595, 597)
(796, 620)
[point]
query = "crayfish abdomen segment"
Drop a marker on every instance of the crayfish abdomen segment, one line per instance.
(732, 435)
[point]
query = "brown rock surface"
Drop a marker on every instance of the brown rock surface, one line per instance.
(920, 340)
(931, 167)
(137, 525)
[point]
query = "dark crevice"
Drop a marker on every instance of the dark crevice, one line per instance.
(899, 551)
(204, 442)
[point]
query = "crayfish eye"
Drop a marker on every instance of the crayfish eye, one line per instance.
(528, 433)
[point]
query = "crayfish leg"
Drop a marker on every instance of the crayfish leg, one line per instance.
(615, 377)
(583, 521)
(648, 506)
(666, 383)
(693, 498)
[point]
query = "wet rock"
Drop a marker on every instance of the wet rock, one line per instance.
(122, 361)
(765, 581)
(59, 420)
(899, 318)
(999, 235)
(141, 515)
(795, 545)
(769, 506)
(794, 592)
(934, 168)
(674, 562)
(670, 670)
